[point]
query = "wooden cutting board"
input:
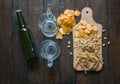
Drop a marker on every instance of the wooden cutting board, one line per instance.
(87, 15)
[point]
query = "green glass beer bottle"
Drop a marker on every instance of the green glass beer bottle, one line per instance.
(26, 38)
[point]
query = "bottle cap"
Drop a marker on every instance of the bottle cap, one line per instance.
(18, 10)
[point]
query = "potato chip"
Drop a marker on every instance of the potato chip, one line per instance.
(69, 15)
(61, 31)
(77, 28)
(67, 30)
(76, 33)
(83, 23)
(81, 33)
(67, 20)
(89, 27)
(67, 11)
(83, 27)
(87, 31)
(69, 23)
(77, 13)
(59, 36)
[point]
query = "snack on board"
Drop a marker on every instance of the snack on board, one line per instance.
(88, 47)
(67, 20)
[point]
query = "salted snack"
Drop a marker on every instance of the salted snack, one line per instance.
(77, 13)
(87, 43)
(66, 21)
(59, 36)
(88, 47)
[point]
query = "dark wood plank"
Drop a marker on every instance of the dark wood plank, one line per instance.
(114, 36)
(52, 74)
(19, 64)
(5, 41)
(62, 60)
(79, 5)
(13, 65)
(81, 78)
(35, 9)
(67, 73)
(100, 16)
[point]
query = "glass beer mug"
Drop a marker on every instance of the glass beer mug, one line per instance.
(49, 50)
(47, 24)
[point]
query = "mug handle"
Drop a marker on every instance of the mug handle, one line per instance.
(49, 63)
(49, 11)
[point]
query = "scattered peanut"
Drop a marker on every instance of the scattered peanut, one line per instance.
(105, 38)
(103, 30)
(71, 53)
(69, 42)
(103, 44)
(68, 46)
(108, 42)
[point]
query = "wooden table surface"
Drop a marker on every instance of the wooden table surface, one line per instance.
(13, 66)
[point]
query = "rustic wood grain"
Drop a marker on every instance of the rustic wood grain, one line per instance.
(114, 37)
(81, 78)
(67, 74)
(19, 64)
(5, 41)
(100, 15)
(35, 9)
(13, 66)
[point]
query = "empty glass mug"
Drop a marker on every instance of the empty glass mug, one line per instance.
(47, 24)
(49, 50)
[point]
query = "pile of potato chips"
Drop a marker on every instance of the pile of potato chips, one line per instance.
(66, 21)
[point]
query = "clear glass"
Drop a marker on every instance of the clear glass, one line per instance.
(49, 50)
(47, 24)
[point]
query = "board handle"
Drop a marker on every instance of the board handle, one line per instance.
(87, 15)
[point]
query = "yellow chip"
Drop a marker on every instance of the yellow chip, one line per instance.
(70, 21)
(67, 30)
(70, 15)
(87, 31)
(89, 27)
(95, 29)
(61, 19)
(59, 36)
(76, 33)
(83, 27)
(77, 13)
(67, 11)
(76, 40)
(77, 28)
(83, 23)
(61, 31)
(81, 33)
(66, 20)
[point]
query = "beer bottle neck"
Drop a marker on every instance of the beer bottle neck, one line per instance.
(21, 21)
